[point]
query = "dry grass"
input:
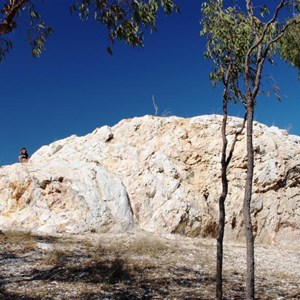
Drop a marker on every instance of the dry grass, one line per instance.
(136, 266)
(24, 239)
(148, 245)
(54, 257)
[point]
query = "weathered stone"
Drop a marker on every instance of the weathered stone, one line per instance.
(158, 174)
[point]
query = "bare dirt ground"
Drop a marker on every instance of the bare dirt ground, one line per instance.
(137, 266)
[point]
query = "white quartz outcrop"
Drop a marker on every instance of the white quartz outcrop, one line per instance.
(158, 174)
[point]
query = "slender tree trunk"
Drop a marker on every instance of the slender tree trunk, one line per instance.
(250, 285)
(221, 226)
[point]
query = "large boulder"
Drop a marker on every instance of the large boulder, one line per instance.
(157, 174)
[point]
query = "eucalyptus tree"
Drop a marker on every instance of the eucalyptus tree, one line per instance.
(260, 43)
(265, 44)
(225, 46)
(290, 46)
(125, 20)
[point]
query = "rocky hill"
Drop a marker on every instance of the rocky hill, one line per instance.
(157, 174)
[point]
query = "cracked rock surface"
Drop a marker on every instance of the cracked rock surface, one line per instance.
(158, 174)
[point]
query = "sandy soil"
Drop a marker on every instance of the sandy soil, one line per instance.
(138, 266)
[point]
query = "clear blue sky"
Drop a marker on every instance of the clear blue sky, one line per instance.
(75, 86)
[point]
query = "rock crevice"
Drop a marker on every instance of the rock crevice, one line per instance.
(157, 174)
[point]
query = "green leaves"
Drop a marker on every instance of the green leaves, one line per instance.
(5, 46)
(125, 20)
(169, 6)
(239, 42)
(264, 10)
(37, 37)
(227, 40)
(290, 45)
(37, 32)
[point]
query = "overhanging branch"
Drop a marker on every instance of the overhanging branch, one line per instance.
(10, 11)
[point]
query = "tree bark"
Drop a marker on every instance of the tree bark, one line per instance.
(250, 284)
(10, 11)
(221, 226)
(222, 212)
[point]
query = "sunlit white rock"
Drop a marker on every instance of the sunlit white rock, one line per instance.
(158, 174)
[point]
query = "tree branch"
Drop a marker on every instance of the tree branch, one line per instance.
(262, 54)
(282, 31)
(269, 44)
(235, 140)
(10, 11)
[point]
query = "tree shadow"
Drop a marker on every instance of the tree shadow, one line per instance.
(118, 277)
(97, 272)
(123, 281)
(4, 256)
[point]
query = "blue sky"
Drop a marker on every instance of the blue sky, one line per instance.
(75, 86)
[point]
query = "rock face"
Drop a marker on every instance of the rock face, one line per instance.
(158, 174)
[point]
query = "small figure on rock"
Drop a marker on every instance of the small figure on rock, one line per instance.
(23, 157)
